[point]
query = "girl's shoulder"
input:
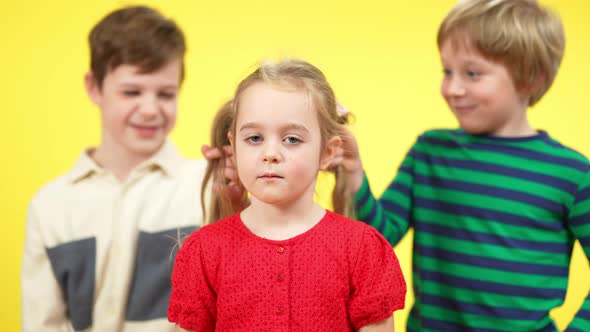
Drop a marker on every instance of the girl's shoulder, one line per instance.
(216, 233)
(356, 231)
(350, 225)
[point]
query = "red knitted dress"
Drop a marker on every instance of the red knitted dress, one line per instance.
(338, 276)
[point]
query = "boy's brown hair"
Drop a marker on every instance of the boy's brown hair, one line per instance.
(521, 34)
(135, 35)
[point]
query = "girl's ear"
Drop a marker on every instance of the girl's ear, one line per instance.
(230, 137)
(330, 151)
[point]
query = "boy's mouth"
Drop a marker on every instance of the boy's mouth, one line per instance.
(464, 108)
(145, 131)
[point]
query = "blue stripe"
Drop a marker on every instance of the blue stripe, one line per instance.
(394, 208)
(406, 169)
(492, 191)
(492, 263)
(489, 168)
(582, 195)
(400, 188)
(491, 287)
(492, 215)
(585, 241)
(364, 198)
(583, 314)
(580, 220)
(513, 151)
(446, 326)
(483, 310)
(497, 240)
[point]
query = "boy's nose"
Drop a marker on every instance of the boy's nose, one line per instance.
(148, 106)
(455, 87)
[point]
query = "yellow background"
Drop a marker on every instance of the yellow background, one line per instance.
(380, 56)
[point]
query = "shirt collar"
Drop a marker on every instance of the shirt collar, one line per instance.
(166, 159)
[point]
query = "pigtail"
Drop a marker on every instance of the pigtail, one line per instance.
(220, 204)
(341, 196)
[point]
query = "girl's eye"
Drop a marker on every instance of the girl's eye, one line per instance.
(292, 140)
(254, 139)
(472, 73)
(447, 72)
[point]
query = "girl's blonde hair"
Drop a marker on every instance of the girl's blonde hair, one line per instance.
(301, 76)
(221, 206)
(521, 34)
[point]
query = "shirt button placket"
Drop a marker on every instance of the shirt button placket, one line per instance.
(280, 280)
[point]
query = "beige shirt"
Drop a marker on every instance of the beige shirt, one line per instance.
(98, 253)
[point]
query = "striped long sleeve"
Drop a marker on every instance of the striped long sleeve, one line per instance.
(494, 220)
(579, 223)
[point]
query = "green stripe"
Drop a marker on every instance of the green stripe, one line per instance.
(502, 159)
(491, 227)
(534, 145)
(479, 321)
(507, 254)
(549, 192)
(486, 298)
(581, 231)
(492, 275)
(581, 324)
(581, 208)
(483, 202)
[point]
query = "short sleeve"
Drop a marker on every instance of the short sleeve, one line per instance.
(378, 286)
(193, 300)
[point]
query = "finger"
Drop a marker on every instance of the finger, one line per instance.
(230, 174)
(210, 153)
(228, 150)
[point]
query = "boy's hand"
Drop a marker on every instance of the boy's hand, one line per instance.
(349, 158)
(232, 188)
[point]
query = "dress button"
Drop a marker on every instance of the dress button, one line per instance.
(280, 311)
(280, 277)
(280, 249)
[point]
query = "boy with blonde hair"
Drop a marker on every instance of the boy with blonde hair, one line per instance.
(100, 239)
(496, 205)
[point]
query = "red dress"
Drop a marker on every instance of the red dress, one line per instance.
(338, 276)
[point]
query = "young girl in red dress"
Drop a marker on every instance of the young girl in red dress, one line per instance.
(284, 263)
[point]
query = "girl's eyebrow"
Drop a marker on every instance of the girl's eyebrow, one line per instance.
(289, 126)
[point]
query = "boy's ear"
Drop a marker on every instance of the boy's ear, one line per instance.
(92, 88)
(330, 151)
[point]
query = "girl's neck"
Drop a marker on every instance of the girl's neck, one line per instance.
(281, 222)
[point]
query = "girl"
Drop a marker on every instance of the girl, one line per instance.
(284, 263)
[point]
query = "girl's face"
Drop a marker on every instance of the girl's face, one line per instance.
(278, 145)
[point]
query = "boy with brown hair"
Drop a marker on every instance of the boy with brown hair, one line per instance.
(100, 239)
(496, 205)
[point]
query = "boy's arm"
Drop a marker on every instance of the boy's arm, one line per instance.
(579, 223)
(42, 304)
(390, 215)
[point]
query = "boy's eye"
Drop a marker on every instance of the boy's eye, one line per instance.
(291, 140)
(447, 72)
(167, 95)
(472, 73)
(254, 139)
(131, 93)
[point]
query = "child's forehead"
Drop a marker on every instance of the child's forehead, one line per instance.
(127, 73)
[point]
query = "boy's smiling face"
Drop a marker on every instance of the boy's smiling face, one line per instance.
(481, 93)
(138, 110)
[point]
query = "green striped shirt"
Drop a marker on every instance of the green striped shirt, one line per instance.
(494, 220)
